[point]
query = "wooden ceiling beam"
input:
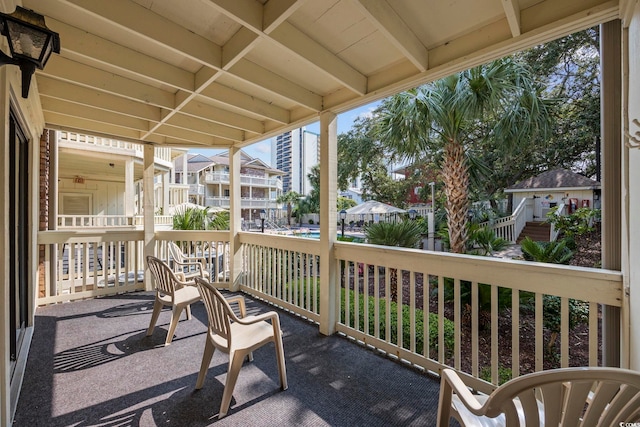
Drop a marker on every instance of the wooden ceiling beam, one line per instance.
(387, 21)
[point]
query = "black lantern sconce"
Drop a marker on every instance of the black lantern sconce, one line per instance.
(31, 43)
(412, 214)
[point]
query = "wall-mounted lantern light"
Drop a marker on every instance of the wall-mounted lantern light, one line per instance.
(31, 43)
(412, 214)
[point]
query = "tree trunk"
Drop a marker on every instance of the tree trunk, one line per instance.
(456, 188)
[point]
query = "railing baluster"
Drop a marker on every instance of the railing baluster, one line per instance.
(593, 334)
(495, 365)
(457, 308)
(515, 333)
(539, 310)
(474, 329)
(564, 332)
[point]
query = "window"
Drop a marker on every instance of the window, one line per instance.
(18, 237)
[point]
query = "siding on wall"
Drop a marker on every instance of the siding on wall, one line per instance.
(108, 197)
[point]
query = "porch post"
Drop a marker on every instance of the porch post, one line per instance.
(631, 189)
(129, 188)
(329, 295)
(148, 200)
(611, 152)
(166, 183)
(235, 206)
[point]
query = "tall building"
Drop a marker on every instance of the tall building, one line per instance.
(295, 153)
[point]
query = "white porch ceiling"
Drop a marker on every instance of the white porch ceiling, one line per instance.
(216, 73)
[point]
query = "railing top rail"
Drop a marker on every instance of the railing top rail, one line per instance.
(604, 286)
(88, 235)
(521, 206)
(193, 235)
(293, 243)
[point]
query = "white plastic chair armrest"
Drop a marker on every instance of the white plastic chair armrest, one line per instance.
(467, 398)
(240, 300)
(270, 315)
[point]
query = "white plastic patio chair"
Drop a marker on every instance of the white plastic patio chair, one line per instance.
(557, 397)
(184, 265)
(238, 337)
(171, 291)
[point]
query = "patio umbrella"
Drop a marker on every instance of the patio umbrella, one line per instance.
(373, 207)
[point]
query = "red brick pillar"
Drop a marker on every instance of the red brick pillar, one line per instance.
(43, 216)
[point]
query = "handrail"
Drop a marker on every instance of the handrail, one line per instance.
(509, 227)
(560, 211)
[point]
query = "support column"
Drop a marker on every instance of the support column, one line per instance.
(235, 200)
(611, 151)
(165, 192)
(129, 189)
(329, 283)
(148, 214)
(631, 191)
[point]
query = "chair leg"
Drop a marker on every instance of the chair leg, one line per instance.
(175, 318)
(282, 370)
(235, 363)
(189, 312)
(209, 349)
(157, 307)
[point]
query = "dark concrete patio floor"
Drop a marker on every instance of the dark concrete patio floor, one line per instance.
(90, 364)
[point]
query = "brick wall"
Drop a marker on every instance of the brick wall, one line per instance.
(43, 216)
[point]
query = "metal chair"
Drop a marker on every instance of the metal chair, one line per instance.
(238, 337)
(557, 397)
(171, 291)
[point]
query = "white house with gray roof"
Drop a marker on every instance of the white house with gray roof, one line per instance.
(551, 188)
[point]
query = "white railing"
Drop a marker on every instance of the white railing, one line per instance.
(108, 221)
(245, 202)
(248, 180)
(510, 227)
(197, 189)
(422, 210)
(94, 221)
(459, 311)
(429, 309)
(284, 272)
(561, 211)
(160, 153)
(80, 264)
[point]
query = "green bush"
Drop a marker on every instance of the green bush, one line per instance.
(576, 223)
(504, 374)
(393, 323)
(551, 252)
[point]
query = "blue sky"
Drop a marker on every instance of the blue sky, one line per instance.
(262, 150)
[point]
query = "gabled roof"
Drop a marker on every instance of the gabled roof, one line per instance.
(554, 180)
(198, 162)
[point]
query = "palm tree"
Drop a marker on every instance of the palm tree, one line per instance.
(448, 117)
(290, 198)
(406, 234)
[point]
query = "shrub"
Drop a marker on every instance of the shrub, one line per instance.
(483, 241)
(552, 252)
(504, 374)
(393, 323)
